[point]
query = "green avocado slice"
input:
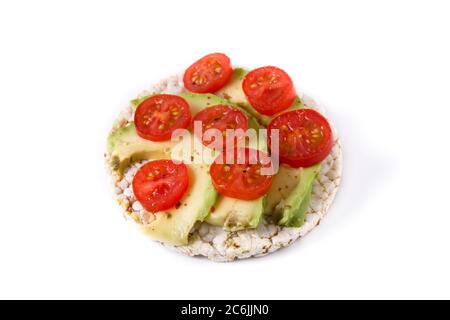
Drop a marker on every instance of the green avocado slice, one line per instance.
(125, 146)
(235, 214)
(288, 198)
(173, 226)
(233, 90)
(296, 218)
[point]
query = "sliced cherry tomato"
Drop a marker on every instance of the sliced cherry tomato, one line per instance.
(269, 90)
(305, 137)
(158, 116)
(220, 117)
(209, 74)
(242, 178)
(160, 184)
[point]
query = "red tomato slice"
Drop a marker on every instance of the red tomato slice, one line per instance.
(158, 116)
(209, 74)
(242, 178)
(160, 184)
(269, 90)
(305, 137)
(220, 117)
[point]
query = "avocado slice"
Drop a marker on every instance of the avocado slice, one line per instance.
(234, 93)
(200, 101)
(124, 145)
(235, 214)
(173, 226)
(288, 198)
(295, 217)
(233, 90)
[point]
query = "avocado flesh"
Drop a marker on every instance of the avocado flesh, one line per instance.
(235, 214)
(233, 90)
(234, 93)
(173, 226)
(229, 213)
(125, 146)
(201, 101)
(296, 216)
(289, 196)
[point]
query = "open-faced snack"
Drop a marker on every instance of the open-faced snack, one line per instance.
(223, 162)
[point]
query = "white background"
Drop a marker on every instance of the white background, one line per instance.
(382, 69)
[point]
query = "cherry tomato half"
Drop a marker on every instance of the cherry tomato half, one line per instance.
(220, 117)
(160, 184)
(209, 74)
(243, 177)
(158, 116)
(305, 137)
(269, 90)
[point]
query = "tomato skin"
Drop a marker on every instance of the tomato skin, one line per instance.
(269, 90)
(242, 181)
(220, 117)
(160, 184)
(158, 116)
(209, 74)
(305, 137)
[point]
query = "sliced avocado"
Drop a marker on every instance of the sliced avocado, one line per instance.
(124, 146)
(235, 214)
(200, 101)
(173, 226)
(288, 198)
(262, 140)
(295, 217)
(233, 92)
